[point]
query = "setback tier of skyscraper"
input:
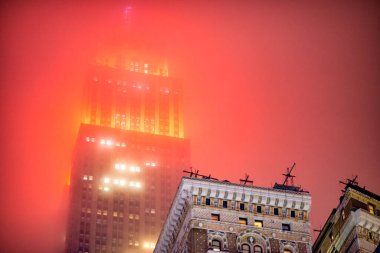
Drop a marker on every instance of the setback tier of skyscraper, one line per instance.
(133, 100)
(121, 188)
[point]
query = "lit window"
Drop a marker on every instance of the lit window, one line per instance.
(287, 251)
(215, 217)
(331, 236)
(88, 139)
(102, 141)
(85, 177)
(243, 221)
(106, 180)
(285, 227)
(258, 223)
(216, 245)
(106, 189)
(134, 169)
(109, 143)
(371, 209)
(257, 249)
(149, 245)
(90, 178)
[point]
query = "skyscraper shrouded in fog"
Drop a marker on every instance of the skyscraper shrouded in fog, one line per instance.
(128, 158)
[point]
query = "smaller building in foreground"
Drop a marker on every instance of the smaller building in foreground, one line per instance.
(354, 226)
(209, 215)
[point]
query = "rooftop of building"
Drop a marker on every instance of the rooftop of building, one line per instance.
(330, 220)
(284, 189)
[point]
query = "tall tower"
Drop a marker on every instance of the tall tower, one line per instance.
(128, 158)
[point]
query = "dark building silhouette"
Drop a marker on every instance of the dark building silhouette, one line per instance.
(128, 159)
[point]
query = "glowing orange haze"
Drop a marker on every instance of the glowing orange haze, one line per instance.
(265, 85)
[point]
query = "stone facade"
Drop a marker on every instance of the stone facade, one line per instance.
(209, 215)
(354, 226)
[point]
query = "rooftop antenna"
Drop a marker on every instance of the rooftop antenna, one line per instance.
(208, 177)
(192, 173)
(353, 181)
(245, 181)
(288, 176)
(288, 183)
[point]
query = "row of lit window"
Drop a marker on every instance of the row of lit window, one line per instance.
(244, 221)
(243, 207)
(120, 182)
(106, 142)
(131, 168)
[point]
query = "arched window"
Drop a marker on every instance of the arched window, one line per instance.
(257, 249)
(287, 251)
(216, 245)
(245, 248)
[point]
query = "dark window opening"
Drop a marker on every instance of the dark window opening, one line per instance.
(285, 227)
(216, 245)
(257, 249)
(245, 248)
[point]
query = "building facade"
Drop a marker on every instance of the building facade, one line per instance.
(209, 215)
(128, 161)
(354, 226)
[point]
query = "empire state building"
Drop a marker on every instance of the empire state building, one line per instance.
(128, 157)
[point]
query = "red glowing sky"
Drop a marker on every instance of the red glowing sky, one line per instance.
(266, 84)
